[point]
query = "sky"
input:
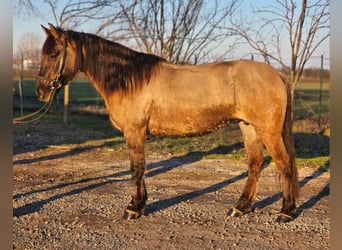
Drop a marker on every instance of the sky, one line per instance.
(22, 25)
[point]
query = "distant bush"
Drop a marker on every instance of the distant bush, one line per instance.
(312, 72)
(315, 73)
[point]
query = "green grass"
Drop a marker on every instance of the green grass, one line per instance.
(80, 91)
(307, 100)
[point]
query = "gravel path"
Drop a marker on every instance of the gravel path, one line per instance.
(75, 201)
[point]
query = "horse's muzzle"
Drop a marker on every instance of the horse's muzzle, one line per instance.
(42, 94)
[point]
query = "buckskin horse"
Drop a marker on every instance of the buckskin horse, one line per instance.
(145, 94)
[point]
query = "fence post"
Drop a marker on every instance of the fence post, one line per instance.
(66, 103)
(20, 83)
(320, 93)
(97, 101)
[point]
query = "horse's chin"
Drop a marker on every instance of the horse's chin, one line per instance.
(42, 96)
(44, 99)
(45, 96)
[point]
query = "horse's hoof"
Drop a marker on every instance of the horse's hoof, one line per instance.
(234, 212)
(131, 215)
(284, 218)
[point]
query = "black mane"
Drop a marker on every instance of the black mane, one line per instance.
(114, 66)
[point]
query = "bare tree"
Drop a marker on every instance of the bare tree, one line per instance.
(24, 8)
(75, 13)
(181, 31)
(70, 13)
(304, 26)
(29, 47)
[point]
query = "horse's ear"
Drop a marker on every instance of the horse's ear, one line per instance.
(55, 32)
(46, 30)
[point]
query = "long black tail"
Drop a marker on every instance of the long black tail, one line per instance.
(288, 136)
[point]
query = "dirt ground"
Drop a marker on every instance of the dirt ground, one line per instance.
(67, 196)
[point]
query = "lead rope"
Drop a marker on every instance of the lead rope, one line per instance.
(30, 117)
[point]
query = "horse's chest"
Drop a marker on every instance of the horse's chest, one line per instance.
(127, 113)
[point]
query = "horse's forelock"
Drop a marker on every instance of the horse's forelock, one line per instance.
(48, 45)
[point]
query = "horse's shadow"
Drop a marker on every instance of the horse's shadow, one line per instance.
(36, 206)
(71, 152)
(169, 202)
(187, 159)
(191, 157)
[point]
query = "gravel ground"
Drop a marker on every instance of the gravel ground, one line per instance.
(67, 198)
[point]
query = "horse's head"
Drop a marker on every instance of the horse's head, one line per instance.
(57, 65)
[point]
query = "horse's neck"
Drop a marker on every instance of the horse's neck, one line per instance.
(96, 71)
(112, 67)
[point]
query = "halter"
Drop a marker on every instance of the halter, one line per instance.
(57, 82)
(55, 85)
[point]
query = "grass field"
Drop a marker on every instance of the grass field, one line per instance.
(79, 90)
(312, 147)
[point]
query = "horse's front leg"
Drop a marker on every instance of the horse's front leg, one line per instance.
(136, 207)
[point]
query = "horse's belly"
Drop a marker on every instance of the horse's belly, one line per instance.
(189, 121)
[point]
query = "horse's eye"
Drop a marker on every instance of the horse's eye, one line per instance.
(53, 55)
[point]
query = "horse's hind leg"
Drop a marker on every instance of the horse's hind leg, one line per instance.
(288, 172)
(135, 144)
(253, 146)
